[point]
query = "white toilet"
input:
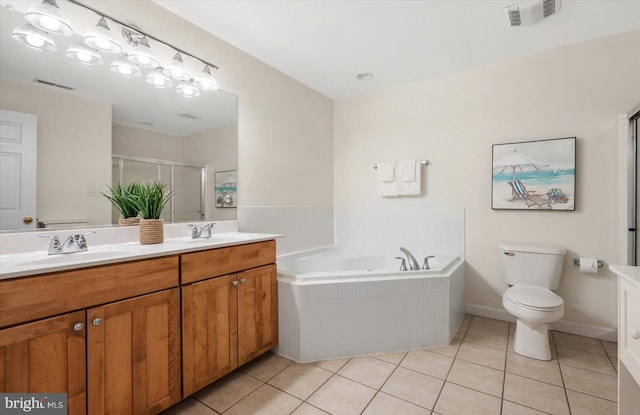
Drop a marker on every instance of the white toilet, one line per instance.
(532, 271)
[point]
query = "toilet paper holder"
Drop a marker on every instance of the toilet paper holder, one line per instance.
(576, 261)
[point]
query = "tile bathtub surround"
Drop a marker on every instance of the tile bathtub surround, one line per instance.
(477, 374)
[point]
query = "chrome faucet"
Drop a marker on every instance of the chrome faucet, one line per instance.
(413, 264)
(74, 243)
(204, 232)
(425, 265)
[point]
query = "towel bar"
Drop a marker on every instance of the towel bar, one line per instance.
(576, 261)
(423, 162)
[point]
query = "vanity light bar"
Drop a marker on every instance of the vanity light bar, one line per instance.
(181, 51)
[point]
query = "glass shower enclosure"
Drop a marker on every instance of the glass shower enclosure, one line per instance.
(186, 180)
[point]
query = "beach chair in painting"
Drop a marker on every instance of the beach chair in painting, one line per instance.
(520, 192)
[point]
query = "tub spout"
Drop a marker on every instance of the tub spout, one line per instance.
(413, 264)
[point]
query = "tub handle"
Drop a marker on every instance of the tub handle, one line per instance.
(425, 265)
(403, 264)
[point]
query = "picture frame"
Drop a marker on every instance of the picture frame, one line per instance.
(225, 185)
(534, 175)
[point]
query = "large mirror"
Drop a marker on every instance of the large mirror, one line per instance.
(95, 128)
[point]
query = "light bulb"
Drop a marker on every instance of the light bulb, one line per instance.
(102, 43)
(176, 73)
(125, 70)
(187, 90)
(158, 81)
(206, 84)
(83, 57)
(49, 23)
(34, 41)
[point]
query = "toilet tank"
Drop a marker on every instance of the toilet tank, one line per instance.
(531, 264)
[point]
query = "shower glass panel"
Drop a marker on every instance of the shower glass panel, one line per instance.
(187, 203)
(186, 181)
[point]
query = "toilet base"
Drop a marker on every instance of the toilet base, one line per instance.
(532, 340)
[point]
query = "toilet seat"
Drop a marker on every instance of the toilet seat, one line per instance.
(534, 298)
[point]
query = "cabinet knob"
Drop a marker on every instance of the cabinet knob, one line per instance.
(234, 282)
(243, 280)
(78, 326)
(635, 334)
(97, 321)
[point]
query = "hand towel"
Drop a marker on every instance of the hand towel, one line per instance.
(406, 170)
(386, 171)
(409, 177)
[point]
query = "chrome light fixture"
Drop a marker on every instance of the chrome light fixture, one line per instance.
(123, 67)
(141, 54)
(84, 54)
(204, 80)
(47, 16)
(158, 79)
(176, 69)
(34, 38)
(187, 89)
(100, 37)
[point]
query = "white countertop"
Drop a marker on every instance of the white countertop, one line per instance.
(628, 272)
(39, 262)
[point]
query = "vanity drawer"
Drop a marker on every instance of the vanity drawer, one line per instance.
(31, 298)
(201, 265)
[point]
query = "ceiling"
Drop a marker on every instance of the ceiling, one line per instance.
(324, 44)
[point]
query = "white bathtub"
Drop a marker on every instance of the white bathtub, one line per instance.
(336, 304)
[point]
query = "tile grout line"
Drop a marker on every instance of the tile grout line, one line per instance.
(564, 386)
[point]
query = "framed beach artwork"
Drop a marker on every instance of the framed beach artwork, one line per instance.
(534, 175)
(226, 188)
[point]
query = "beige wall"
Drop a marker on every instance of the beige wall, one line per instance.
(453, 121)
(74, 150)
(285, 129)
(140, 142)
(218, 150)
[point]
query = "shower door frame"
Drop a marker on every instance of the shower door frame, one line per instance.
(172, 164)
(633, 181)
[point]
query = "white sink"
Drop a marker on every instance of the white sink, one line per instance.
(74, 257)
(215, 239)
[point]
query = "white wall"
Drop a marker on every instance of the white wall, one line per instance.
(74, 142)
(453, 120)
(141, 142)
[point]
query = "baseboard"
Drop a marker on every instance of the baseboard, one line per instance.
(597, 332)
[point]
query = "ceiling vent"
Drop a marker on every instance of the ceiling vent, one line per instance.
(53, 84)
(550, 7)
(189, 115)
(513, 15)
(528, 13)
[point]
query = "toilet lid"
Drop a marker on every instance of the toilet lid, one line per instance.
(535, 297)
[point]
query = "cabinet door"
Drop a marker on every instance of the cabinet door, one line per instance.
(133, 351)
(257, 312)
(46, 356)
(209, 331)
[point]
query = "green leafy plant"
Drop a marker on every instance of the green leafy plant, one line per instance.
(151, 199)
(124, 198)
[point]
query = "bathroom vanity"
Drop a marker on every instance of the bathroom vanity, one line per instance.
(628, 338)
(141, 332)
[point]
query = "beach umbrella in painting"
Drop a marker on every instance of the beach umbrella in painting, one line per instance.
(515, 160)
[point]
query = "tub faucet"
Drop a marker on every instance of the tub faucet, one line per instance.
(413, 264)
(74, 243)
(425, 265)
(204, 232)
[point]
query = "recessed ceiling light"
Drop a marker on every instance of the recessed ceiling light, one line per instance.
(364, 76)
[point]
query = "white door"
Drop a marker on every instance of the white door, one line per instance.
(17, 170)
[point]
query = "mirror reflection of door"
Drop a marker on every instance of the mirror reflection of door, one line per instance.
(17, 170)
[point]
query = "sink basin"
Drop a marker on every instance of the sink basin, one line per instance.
(221, 239)
(75, 257)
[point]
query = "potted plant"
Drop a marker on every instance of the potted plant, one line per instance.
(150, 201)
(124, 199)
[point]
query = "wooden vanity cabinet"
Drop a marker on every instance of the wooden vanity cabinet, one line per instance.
(227, 320)
(119, 353)
(46, 356)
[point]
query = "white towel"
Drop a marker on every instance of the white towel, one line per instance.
(386, 171)
(409, 177)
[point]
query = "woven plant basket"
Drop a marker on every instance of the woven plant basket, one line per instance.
(151, 231)
(129, 221)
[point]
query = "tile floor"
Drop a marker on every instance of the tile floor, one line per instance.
(478, 374)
